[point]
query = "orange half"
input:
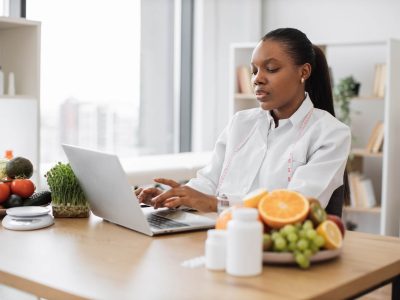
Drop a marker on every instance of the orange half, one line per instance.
(253, 199)
(282, 207)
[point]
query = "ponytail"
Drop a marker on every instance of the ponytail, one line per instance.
(318, 86)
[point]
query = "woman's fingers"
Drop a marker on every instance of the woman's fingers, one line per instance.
(138, 191)
(171, 193)
(173, 202)
(160, 199)
(146, 195)
(170, 182)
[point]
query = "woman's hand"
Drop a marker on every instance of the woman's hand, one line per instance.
(183, 195)
(146, 195)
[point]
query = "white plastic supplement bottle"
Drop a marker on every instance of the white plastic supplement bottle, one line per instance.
(216, 250)
(244, 243)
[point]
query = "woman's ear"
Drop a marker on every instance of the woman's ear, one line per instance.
(306, 71)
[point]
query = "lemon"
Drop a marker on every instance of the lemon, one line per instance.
(331, 233)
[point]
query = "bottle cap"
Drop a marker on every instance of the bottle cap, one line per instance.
(245, 214)
(8, 154)
(216, 233)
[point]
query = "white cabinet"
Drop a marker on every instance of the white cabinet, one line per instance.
(359, 60)
(20, 54)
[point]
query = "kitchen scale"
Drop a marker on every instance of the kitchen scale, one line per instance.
(27, 218)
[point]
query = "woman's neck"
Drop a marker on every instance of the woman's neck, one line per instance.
(287, 111)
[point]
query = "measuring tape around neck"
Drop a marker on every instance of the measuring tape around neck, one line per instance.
(301, 133)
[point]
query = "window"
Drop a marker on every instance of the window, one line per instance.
(90, 75)
(111, 74)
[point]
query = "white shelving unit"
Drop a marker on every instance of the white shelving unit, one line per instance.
(20, 54)
(358, 59)
(240, 56)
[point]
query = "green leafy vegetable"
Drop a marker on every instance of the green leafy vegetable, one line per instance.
(64, 186)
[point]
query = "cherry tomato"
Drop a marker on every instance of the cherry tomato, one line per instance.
(4, 192)
(22, 187)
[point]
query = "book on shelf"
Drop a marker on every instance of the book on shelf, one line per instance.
(353, 190)
(244, 80)
(380, 80)
(362, 193)
(375, 141)
(368, 193)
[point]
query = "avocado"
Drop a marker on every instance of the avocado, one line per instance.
(19, 167)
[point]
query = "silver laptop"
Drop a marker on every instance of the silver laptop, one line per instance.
(110, 196)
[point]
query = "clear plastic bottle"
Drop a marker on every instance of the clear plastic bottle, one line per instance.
(244, 243)
(216, 250)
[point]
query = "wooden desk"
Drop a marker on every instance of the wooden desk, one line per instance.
(90, 258)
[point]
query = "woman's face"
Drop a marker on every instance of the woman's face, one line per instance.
(276, 79)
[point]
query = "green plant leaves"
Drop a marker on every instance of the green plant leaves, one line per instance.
(64, 186)
(342, 94)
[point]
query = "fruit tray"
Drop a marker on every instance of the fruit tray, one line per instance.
(270, 257)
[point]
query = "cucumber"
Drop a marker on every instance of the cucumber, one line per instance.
(39, 198)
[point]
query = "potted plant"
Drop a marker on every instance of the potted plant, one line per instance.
(68, 199)
(343, 92)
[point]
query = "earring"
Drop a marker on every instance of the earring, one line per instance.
(302, 79)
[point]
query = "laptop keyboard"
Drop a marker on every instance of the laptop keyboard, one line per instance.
(163, 223)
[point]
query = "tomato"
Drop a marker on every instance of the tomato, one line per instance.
(4, 192)
(22, 187)
(7, 180)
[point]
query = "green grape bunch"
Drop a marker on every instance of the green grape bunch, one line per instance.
(300, 239)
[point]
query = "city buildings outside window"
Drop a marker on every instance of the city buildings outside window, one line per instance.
(90, 75)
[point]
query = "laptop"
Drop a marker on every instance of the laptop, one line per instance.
(111, 197)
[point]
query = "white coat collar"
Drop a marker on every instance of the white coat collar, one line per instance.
(302, 111)
(298, 115)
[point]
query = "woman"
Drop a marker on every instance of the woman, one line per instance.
(292, 141)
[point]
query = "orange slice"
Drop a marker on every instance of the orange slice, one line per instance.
(331, 233)
(253, 199)
(225, 217)
(281, 207)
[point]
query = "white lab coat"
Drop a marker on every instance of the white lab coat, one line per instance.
(251, 153)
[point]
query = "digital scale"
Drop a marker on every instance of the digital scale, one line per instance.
(27, 218)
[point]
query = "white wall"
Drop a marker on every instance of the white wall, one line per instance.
(217, 25)
(220, 23)
(339, 20)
